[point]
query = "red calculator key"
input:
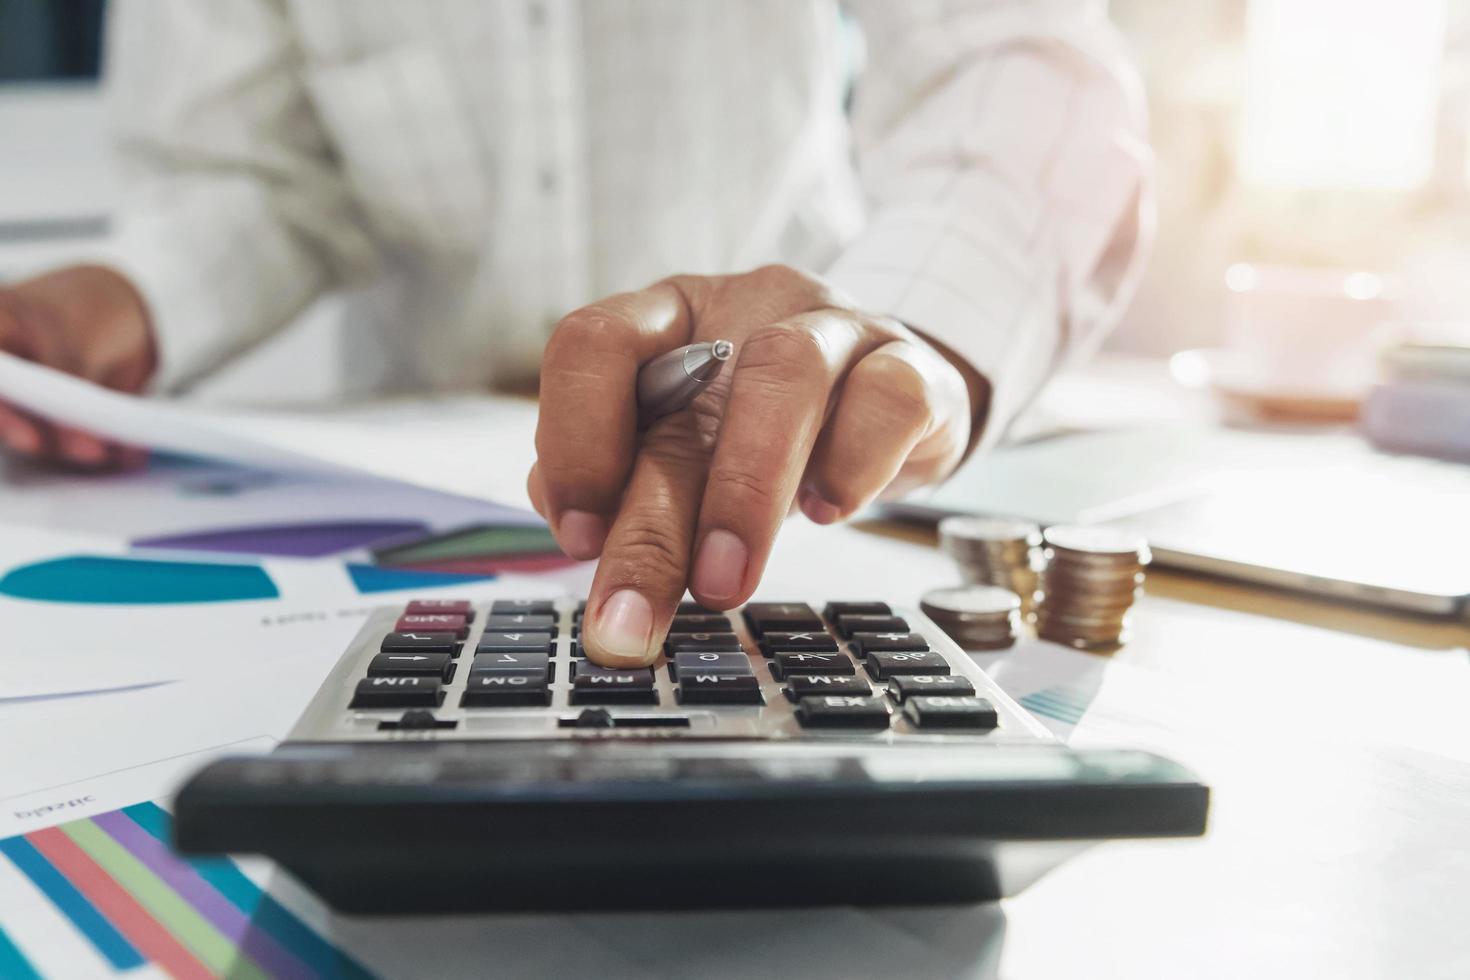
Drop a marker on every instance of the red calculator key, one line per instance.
(430, 607)
(433, 623)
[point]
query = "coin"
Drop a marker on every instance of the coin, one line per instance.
(1095, 540)
(977, 617)
(1091, 579)
(996, 551)
(998, 529)
(975, 600)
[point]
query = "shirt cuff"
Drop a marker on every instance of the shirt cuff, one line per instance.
(971, 291)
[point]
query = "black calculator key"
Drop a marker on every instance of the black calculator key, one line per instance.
(494, 689)
(590, 669)
(709, 662)
(781, 617)
(848, 625)
(686, 642)
(905, 686)
(886, 664)
(521, 623)
(397, 692)
(532, 607)
(799, 686)
(700, 687)
(700, 624)
(603, 685)
(512, 641)
(947, 711)
(433, 623)
(404, 664)
(835, 609)
(454, 607)
(695, 609)
(512, 662)
(866, 643)
(420, 643)
(774, 642)
(811, 662)
(843, 711)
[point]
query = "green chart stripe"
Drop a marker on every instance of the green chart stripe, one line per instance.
(216, 952)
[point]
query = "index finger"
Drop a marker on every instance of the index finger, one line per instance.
(586, 432)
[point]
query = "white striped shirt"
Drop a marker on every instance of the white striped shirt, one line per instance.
(471, 170)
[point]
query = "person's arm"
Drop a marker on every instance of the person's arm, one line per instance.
(233, 217)
(236, 215)
(1004, 157)
(1002, 147)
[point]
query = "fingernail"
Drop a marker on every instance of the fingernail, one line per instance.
(581, 534)
(625, 626)
(819, 510)
(719, 569)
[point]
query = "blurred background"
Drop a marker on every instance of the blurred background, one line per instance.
(1313, 181)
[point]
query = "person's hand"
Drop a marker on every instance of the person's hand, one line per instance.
(824, 405)
(85, 320)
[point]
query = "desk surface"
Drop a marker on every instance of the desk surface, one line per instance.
(1337, 743)
(1340, 763)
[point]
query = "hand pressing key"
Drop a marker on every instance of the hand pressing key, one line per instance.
(826, 406)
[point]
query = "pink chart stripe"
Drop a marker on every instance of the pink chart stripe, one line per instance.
(216, 909)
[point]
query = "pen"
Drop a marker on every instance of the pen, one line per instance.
(671, 381)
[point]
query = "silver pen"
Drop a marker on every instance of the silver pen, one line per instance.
(671, 381)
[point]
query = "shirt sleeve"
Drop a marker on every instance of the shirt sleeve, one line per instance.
(233, 215)
(1002, 147)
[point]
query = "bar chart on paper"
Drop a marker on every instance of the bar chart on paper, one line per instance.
(188, 532)
(106, 895)
(220, 565)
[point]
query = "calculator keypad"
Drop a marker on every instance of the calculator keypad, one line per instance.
(448, 668)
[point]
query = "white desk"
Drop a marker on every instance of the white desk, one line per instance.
(1338, 746)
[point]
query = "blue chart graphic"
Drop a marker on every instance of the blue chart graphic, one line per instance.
(136, 581)
(1058, 703)
(128, 581)
(371, 578)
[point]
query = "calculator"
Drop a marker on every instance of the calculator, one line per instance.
(469, 757)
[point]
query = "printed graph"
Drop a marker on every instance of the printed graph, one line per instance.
(106, 894)
(128, 580)
(298, 539)
(1060, 703)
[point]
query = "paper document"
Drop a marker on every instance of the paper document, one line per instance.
(470, 446)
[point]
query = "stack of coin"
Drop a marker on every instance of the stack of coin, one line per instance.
(977, 617)
(998, 551)
(1092, 576)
